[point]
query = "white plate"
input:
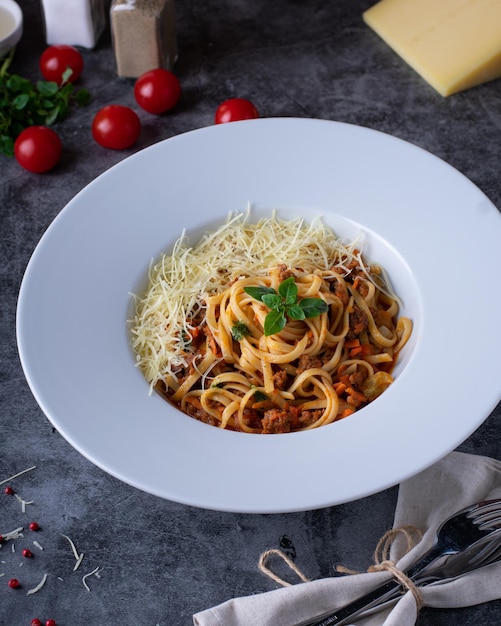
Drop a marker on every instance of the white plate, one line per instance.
(436, 233)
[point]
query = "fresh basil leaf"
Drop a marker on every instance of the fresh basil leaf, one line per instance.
(295, 312)
(239, 330)
(274, 322)
(288, 290)
(258, 292)
(313, 306)
(272, 300)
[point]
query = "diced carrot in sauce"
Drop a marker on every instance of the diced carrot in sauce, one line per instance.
(339, 388)
(352, 343)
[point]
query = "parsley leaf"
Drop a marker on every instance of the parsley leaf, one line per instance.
(239, 330)
(259, 396)
(24, 103)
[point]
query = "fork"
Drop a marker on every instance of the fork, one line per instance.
(454, 566)
(469, 539)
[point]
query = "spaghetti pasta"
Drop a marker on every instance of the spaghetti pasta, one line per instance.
(269, 327)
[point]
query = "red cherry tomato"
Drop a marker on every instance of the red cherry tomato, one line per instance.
(235, 109)
(116, 127)
(37, 149)
(55, 60)
(157, 91)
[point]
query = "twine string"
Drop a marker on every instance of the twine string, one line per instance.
(381, 557)
(266, 570)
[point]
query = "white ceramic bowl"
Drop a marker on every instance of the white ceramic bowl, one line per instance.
(435, 233)
(11, 25)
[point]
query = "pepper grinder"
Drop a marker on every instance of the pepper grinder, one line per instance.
(144, 35)
(75, 22)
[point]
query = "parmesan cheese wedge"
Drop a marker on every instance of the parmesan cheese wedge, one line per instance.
(453, 44)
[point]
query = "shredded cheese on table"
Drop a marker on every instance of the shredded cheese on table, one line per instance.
(95, 572)
(13, 534)
(23, 502)
(7, 480)
(78, 557)
(181, 282)
(38, 587)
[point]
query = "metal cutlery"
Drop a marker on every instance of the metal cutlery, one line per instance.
(467, 540)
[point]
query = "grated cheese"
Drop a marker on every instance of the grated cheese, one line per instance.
(23, 502)
(180, 282)
(84, 578)
(78, 557)
(18, 474)
(36, 544)
(79, 560)
(38, 587)
(13, 534)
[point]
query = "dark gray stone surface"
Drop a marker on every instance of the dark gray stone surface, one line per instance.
(161, 561)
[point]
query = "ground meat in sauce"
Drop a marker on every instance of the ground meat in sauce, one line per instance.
(307, 362)
(284, 272)
(341, 292)
(276, 421)
(307, 418)
(211, 342)
(280, 380)
(358, 320)
(183, 371)
(382, 318)
(200, 414)
(362, 288)
(358, 377)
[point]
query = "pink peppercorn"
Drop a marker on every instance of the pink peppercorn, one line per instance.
(1, 538)
(34, 526)
(14, 583)
(50, 622)
(27, 553)
(8, 490)
(36, 622)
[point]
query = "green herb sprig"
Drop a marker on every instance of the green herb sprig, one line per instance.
(285, 304)
(239, 330)
(24, 103)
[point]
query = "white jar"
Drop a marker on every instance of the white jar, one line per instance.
(74, 22)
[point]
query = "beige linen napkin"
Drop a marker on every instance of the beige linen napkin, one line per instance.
(424, 501)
